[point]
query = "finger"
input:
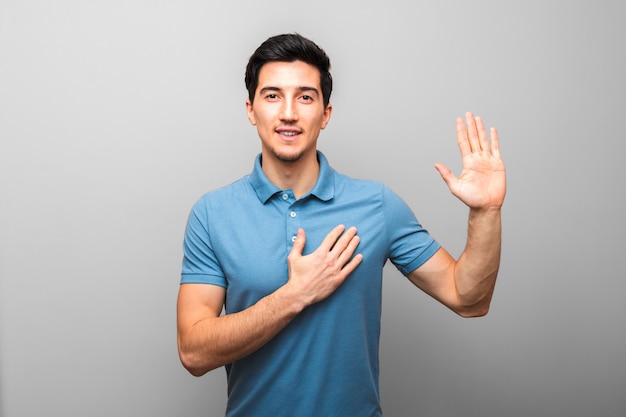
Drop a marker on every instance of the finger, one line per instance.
(344, 241)
(349, 250)
(331, 238)
(495, 142)
(482, 134)
(447, 175)
(472, 132)
(461, 138)
(351, 266)
(298, 244)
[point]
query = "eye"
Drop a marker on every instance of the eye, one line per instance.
(307, 98)
(271, 96)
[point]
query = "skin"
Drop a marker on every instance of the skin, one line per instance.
(466, 285)
(289, 114)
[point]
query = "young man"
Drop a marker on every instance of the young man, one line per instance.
(294, 252)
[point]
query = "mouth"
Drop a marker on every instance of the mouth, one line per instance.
(288, 133)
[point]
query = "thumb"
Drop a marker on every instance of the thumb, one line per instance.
(447, 175)
(298, 244)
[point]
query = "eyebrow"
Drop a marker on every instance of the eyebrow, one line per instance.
(299, 89)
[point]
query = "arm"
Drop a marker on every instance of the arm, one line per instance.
(207, 340)
(466, 285)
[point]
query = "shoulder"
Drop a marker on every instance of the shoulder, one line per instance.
(366, 188)
(376, 192)
(225, 194)
(218, 203)
(347, 183)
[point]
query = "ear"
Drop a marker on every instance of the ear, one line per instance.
(250, 112)
(327, 112)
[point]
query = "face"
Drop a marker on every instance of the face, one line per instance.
(288, 110)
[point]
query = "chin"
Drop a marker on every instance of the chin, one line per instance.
(288, 157)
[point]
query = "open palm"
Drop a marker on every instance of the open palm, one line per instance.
(482, 183)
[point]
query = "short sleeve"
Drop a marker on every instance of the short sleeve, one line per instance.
(410, 245)
(200, 263)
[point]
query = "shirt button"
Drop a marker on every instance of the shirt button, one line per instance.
(292, 214)
(285, 196)
(293, 239)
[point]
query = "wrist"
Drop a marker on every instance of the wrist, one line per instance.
(489, 210)
(290, 301)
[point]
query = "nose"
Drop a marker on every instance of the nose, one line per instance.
(289, 111)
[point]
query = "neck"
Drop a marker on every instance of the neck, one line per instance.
(299, 176)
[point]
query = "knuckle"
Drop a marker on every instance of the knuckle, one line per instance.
(330, 263)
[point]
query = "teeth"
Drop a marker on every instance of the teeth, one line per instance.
(289, 133)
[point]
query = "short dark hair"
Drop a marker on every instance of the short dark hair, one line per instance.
(289, 48)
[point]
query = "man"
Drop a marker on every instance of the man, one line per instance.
(294, 253)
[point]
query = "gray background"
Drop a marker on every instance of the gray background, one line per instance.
(115, 116)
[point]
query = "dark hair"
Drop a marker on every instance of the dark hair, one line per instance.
(289, 48)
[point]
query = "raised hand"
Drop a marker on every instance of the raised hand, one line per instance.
(319, 274)
(482, 183)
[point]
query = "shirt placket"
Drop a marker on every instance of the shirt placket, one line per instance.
(292, 217)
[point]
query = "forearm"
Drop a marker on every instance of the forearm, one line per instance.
(207, 340)
(477, 268)
(214, 341)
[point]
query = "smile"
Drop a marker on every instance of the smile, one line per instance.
(288, 133)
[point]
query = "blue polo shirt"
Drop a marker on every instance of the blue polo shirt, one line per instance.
(325, 362)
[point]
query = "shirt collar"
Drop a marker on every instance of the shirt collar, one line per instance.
(324, 188)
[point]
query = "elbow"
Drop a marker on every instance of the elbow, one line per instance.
(194, 364)
(479, 309)
(473, 312)
(190, 365)
(197, 372)
(474, 306)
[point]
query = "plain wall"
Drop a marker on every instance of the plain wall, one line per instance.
(115, 116)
